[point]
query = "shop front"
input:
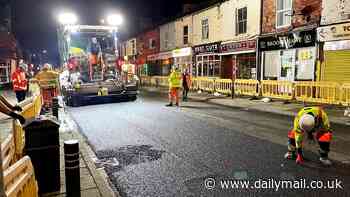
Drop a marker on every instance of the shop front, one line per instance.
(183, 58)
(207, 60)
(238, 59)
(336, 52)
(290, 57)
(160, 63)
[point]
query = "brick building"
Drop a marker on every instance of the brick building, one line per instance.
(148, 44)
(287, 45)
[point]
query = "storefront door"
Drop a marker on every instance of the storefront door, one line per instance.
(287, 66)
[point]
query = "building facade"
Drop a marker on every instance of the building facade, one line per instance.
(167, 45)
(206, 42)
(288, 48)
(240, 28)
(9, 48)
(334, 38)
(148, 44)
(183, 42)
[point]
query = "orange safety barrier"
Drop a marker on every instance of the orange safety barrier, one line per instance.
(345, 94)
(195, 84)
(247, 87)
(223, 86)
(318, 92)
(277, 89)
(19, 179)
(8, 151)
(206, 84)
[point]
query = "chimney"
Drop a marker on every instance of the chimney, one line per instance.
(187, 8)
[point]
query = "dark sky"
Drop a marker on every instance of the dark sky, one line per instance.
(35, 20)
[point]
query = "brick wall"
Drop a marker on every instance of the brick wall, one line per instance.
(298, 20)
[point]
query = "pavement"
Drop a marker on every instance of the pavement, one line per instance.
(148, 149)
(335, 113)
(6, 121)
(93, 181)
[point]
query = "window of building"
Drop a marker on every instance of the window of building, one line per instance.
(185, 36)
(207, 66)
(166, 39)
(241, 20)
(152, 43)
(133, 46)
(284, 13)
(205, 29)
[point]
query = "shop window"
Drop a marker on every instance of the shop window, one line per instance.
(205, 29)
(246, 65)
(284, 13)
(241, 22)
(208, 66)
(287, 68)
(185, 35)
(305, 66)
(152, 43)
(200, 66)
(205, 69)
(271, 64)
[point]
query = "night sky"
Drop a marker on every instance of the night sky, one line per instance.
(35, 21)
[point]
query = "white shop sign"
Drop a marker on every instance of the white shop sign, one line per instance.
(334, 32)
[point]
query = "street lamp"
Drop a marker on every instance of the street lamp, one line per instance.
(114, 20)
(67, 19)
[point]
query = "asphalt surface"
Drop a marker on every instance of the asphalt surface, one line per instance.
(151, 150)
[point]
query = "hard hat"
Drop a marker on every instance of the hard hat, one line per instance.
(307, 122)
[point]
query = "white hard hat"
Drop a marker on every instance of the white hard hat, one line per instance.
(307, 122)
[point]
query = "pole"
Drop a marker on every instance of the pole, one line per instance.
(72, 168)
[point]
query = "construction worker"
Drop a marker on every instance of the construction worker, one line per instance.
(174, 86)
(20, 82)
(186, 84)
(314, 122)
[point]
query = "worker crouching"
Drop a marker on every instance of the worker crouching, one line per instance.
(314, 122)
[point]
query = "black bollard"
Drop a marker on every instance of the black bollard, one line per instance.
(55, 107)
(72, 169)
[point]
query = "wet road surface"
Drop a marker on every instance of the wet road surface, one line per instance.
(150, 150)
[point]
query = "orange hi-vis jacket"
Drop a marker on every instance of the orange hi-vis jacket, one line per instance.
(19, 80)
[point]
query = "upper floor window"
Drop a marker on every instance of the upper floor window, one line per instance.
(166, 39)
(241, 22)
(205, 29)
(152, 43)
(284, 13)
(133, 46)
(185, 34)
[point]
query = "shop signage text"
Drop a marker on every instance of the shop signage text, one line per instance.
(207, 48)
(182, 52)
(238, 46)
(292, 40)
(334, 32)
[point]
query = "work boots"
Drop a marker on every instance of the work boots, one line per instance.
(290, 155)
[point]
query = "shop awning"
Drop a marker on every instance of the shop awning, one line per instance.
(160, 56)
